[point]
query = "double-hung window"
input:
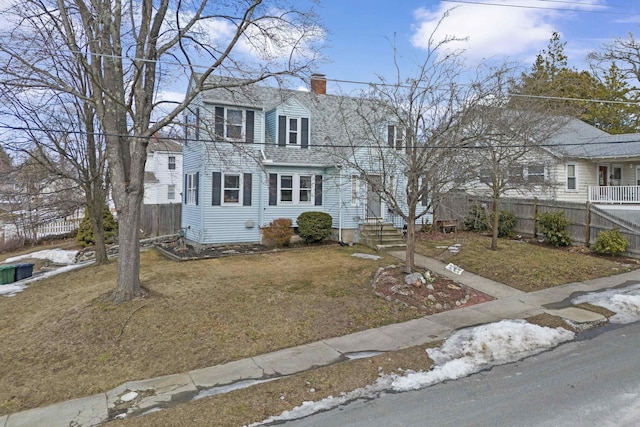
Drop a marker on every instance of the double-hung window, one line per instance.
(171, 192)
(232, 189)
(191, 181)
(293, 131)
(572, 177)
(535, 174)
(234, 123)
(395, 137)
(296, 189)
(304, 190)
(286, 188)
(172, 162)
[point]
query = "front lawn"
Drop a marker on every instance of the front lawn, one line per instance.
(523, 265)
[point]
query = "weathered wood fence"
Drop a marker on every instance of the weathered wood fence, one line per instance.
(587, 220)
(160, 220)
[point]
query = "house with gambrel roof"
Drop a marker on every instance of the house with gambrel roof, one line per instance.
(256, 153)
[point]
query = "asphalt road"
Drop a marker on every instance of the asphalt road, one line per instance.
(593, 382)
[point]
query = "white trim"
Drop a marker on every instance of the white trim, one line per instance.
(191, 189)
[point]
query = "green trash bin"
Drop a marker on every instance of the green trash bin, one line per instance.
(7, 274)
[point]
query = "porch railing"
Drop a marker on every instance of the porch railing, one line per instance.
(615, 194)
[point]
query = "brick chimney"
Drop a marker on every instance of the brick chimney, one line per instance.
(318, 84)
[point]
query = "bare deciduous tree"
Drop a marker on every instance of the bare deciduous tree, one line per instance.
(505, 140)
(125, 49)
(406, 147)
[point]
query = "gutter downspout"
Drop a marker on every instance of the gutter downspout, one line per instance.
(340, 190)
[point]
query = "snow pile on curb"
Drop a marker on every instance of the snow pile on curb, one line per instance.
(466, 352)
(624, 302)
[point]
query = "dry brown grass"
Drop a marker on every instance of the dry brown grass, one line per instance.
(262, 401)
(525, 266)
(59, 341)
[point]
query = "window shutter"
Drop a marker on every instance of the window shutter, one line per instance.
(425, 192)
(304, 138)
(246, 193)
(184, 190)
(249, 126)
(273, 189)
(216, 190)
(391, 136)
(197, 124)
(318, 190)
(219, 123)
(282, 131)
(197, 185)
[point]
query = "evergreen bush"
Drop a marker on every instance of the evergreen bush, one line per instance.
(553, 226)
(610, 243)
(314, 227)
(85, 232)
(476, 219)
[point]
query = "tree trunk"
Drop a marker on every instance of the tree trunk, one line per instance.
(100, 247)
(411, 241)
(496, 222)
(128, 281)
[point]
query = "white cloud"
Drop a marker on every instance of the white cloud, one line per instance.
(495, 31)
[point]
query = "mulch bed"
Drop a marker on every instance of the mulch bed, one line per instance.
(441, 294)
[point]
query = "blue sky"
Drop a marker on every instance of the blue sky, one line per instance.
(360, 33)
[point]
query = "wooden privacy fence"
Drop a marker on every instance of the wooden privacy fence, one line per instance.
(587, 220)
(160, 220)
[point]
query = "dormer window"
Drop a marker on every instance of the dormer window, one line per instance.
(233, 124)
(234, 121)
(293, 131)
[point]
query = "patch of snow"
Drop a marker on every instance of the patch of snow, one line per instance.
(366, 256)
(129, 396)
(57, 256)
(12, 289)
(466, 352)
(229, 387)
(624, 302)
(471, 350)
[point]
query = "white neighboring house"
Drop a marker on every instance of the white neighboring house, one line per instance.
(163, 172)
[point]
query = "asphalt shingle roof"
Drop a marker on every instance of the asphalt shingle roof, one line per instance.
(333, 119)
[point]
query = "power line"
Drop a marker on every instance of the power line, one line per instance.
(479, 3)
(547, 97)
(326, 146)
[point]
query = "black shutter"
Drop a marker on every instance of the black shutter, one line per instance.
(219, 123)
(197, 186)
(273, 189)
(197, 124)
(282, 131)
(249, 126)
(216, 189)
(246, 193)
(425, 192)
(391, 135)
(304, 138)
(184, 190)
(318, 190)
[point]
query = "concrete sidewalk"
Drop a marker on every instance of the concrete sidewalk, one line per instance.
(156, 393)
